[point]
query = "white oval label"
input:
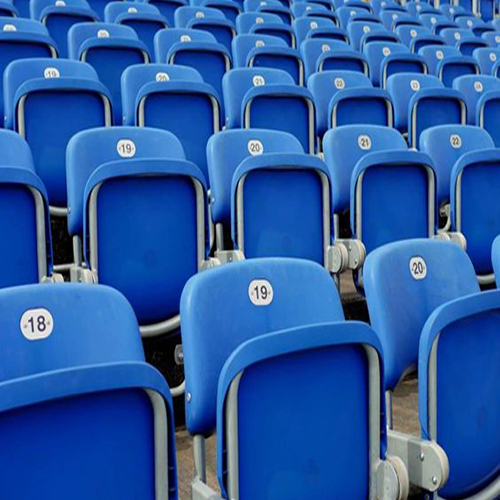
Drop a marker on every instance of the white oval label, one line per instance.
(313, 25)
(394, 17)
(325, 48)
(353, 13)
(364, 142)
(9, 27)
(103, 34)
(415, 85)
(452, 10)
(162, 77)
(419, 8)
(418, 268)
(36, 324)
(413, 33)
(433, 20)
(439, 54)
(478, 86)
(455, 141)
(457, 35)
(339, 83)
(60, 3)
(255, 147)
(469, 23)
(200, 15)
(126, 148)
(497, 39)
(51, 73)
(386, 51)
(493, 57)
(259, 43)
(260, 292)
(185, 38)
(259, 20)
(132, 10)
(258, 81)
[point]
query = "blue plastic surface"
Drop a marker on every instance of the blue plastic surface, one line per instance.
(472, 88)
(246, 20)
(376, 53)
(358, 29)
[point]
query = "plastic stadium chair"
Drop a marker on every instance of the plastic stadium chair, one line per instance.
(197, 49)
(167, 8)
(486, 58)
(246, 20)
(468, 45)
(388, 58)
(22, 39)
(474, 87)
(393, 19)
(346, 98)
(229, 8)
(435, 315)
(474, 189)
(279, 30)
(322, 54)
(387, 182)
(254, 366)
(283, 12)
(445, 144)
(225, 152)
(207, 19)
(492, 38)
(347, 14)
(24, 216)
(84, 381)
(421, 101)
(47, 101)
(306, 26)
(109, 48)
(447, 63)
(118, 178)
(145, 19)
(451, 10)
(379, 5)
(477, 26)
(269, 98)
(357, 30)
(256, 50)
(419, 8)
(59, 16)
(407, 33)
(431, 20)
(425, 40)
(176, 99)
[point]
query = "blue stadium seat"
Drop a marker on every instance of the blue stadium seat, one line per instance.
(421, 101)
(473, 87)
(59, 16)
(301, 9)
(167, 8)
(407, 33)
(431, 20)
(22, 39)
(379, 5)
(246, 20)
(445, 144)
(176, 99)
(225, 152)
(447, 63)
(256, 50)
(347, 14)
(24, 216)
(486, 58)
(279, 30)
(196, 48)
(388, 58)
(118, 178)
(322, 13)
(451, 10)
(425, 40)
(47, 101)
(391, 19)
(419, 8)
(280, 10)
(269, 98)
(260, 347)
(492, 38)
(436, 309)
(357, 30)
(207, 19)
(468, 45)
(442, 25)
(76, 378)
(476, 25)
(475, 182)
(144, 19)
(345, 98)
(109, 48)
(306, 26)
(339, 55)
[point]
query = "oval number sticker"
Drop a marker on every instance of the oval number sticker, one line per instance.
(36, 324)
(255, 147)
(418, 268)
(126, 148)
(260, 292)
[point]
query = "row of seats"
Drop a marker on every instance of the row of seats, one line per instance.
(281, 376)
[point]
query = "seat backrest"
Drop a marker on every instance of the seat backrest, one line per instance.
(486, 57)
(407, 33)
(492, 37)
(237, 82)
(184, 14)
(210, 337)
(90, 149)
(15, 151)
(303, 25)
(402, 87)
(472, 87)
(246, 20)
(431, 19)
(226, 151)
(135, 77)
(37, 6)
(114, 9)
(390, 17)
(312, 48)
(445, 144)
(434, 54)
(376, 52)
(404, 282)
(325, 85)
(358, 29)
(243, 44)
(453, 35)
(253, 5)
(344, 146)
(164, 40)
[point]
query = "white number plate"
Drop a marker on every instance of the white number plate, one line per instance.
(418, 268)
(36, 324)
(260, 292)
